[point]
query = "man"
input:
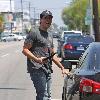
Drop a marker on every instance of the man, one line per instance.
(37, 47)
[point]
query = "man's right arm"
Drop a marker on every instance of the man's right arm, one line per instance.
(27, 52)
(30, 55)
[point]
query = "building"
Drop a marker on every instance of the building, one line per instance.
(29, 12)
(14, 19)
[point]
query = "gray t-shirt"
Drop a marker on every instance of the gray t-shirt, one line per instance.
(40, 41)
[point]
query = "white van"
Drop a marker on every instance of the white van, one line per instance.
(69, 33)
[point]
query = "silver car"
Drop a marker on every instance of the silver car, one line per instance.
(9, 37)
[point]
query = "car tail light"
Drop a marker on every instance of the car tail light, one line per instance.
(68, 46)
(89, 86)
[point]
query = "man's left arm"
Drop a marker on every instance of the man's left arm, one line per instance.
(58, 63)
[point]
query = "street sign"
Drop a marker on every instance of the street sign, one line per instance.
(88, 18)
(88, 21)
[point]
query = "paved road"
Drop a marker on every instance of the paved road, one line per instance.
(15, 82)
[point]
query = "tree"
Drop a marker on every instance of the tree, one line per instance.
(74, 15)
(1, 25)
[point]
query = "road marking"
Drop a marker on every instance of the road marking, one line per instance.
(5, 55)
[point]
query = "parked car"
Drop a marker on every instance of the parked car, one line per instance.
(61, 39)
(84, 82)
(21, 35)
(24, 36)
(11, 37)
(74, 46)
(56, 35)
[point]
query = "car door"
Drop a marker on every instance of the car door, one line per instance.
(11, 37)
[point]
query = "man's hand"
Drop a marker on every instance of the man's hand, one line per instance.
(41, 60)
(65, 71)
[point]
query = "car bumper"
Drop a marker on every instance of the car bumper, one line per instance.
(90, 97)
(72, 55)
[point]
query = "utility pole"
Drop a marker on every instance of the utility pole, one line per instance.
(11, 15)
(29, 11)
(22, 13)
(96, 20)
(10, 6)
(91, 14)
(34, 15)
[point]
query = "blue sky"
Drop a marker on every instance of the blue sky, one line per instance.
(55, 6)
(5, 5)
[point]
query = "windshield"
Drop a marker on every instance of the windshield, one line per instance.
(66, 34)
(83, 39)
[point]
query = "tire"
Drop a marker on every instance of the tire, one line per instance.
(15, 39)
(5, 40)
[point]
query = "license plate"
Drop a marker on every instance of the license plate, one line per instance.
(80, 48)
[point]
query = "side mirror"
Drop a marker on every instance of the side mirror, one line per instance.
(66, 64)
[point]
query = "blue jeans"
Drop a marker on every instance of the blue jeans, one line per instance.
(42, 84)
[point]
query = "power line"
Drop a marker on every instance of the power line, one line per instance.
(47, 8)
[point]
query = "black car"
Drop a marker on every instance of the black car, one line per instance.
(56, 35)
(84, 82)
(74, 46)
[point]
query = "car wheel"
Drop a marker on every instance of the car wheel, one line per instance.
(15, 39)
(5, 40)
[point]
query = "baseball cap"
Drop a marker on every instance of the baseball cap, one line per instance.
(46, 13)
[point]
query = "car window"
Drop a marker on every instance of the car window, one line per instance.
(70, 34)
(83, 63)
(11, 35)
(83, 39)
(74, 39)
(97, 59)
(4, 35)
(90, 60)
(88, 39)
